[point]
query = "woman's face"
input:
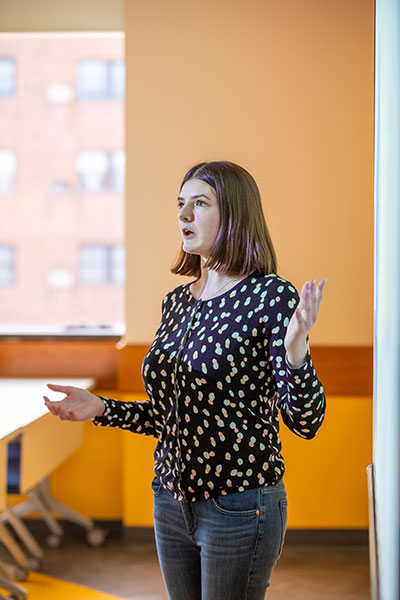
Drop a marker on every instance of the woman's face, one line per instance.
(199, 217)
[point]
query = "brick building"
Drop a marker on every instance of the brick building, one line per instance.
(62, 166)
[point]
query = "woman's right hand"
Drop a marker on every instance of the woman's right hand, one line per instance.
(78, 404)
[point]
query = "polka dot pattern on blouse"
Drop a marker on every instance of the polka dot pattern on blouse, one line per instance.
(217, 378)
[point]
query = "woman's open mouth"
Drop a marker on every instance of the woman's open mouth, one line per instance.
(187, 233)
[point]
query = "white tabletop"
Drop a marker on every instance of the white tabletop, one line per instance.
(21, 400)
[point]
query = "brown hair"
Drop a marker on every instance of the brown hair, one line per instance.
(243, 243)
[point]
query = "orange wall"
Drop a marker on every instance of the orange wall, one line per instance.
(92, 479)
(286, 90)
(325, 477)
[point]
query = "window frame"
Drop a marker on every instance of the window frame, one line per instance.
(92, 334)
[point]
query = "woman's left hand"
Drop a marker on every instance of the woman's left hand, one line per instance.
(302, 321)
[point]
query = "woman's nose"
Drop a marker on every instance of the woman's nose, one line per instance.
(185, 214)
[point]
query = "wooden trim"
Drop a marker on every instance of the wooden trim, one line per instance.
(61, 358)
(130, 368)
(344, 370)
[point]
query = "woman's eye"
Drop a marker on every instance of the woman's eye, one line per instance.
(200, 202)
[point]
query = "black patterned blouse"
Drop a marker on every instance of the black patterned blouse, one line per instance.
(216, 375)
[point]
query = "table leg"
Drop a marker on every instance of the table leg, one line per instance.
(24, 534)
(14, 549)
(7, 584)
(41, 499)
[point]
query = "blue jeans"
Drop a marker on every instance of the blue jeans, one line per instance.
(223, 548)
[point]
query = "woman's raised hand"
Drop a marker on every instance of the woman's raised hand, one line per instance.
(302, 320)
(78, 404)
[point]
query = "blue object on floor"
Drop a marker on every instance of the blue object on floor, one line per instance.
(14, 466)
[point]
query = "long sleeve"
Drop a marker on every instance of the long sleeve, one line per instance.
(133, 416)
(301, 395)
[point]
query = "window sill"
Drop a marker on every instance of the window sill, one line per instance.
(109, 337)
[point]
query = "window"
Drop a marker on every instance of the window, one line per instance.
(100, 79)
(92, 79)
(92, 167)
(7, 265)
(117, 79)
(99, 171)
(59, 93)
(8, 169)
(117, 168)
(117, 264)
(60, 187)
(62, 170)
(99, 265)
(7, 77)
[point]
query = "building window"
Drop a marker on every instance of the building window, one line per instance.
(117, 79)
(7, 265)
(60, 187)
(100, 171)
(92, 79)
(8, 169)
(99, 264)
(117, 264)
(59, 93)
(92, 167)
(7, 77)
(100, 79)
(117, 168)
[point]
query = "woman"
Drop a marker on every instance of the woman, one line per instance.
(231, 352)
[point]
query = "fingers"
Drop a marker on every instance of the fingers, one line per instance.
(320, 289)
(54, 407)
(312, 306)
(64, 389)
(51, 406)
(58, 410)
(311, 298)
(309, 288)
(306, 298)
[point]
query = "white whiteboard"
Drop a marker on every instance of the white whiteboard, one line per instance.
(386, 448)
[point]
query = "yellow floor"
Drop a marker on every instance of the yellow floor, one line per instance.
(43, 587)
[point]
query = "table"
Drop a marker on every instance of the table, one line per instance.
(6, 571)
(46, 442)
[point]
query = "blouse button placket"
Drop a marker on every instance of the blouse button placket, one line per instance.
(195, 315)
